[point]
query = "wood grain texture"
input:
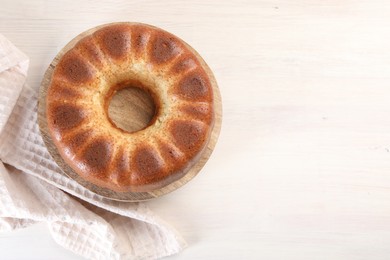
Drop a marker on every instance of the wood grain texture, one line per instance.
(138, 106)
(124, 196)
(302, 165)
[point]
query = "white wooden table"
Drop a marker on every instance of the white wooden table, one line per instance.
(302, 167)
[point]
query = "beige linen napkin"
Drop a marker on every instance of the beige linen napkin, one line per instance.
(32, 189)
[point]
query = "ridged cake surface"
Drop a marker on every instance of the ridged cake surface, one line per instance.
(118, 56)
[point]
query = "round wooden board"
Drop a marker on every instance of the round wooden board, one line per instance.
(124, 196)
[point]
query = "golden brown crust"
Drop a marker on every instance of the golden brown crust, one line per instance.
(96, 158)
(188, 136)
(200, 111)
(60, 91)
(74, 69)
(184, 64)
(76, 139)
(90, 51)
(82, 84)
(114, 41)
(63, 117)
(147, 164)
(163, 48)
(120, 174)
(139, 38)
(194, 86)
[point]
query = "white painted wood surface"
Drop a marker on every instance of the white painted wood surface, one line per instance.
(302, 167)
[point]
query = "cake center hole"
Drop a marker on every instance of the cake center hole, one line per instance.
(131, 109)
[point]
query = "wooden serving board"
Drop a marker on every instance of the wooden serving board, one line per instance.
(133, 100)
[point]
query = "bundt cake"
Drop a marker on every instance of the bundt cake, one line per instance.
(123, 55)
